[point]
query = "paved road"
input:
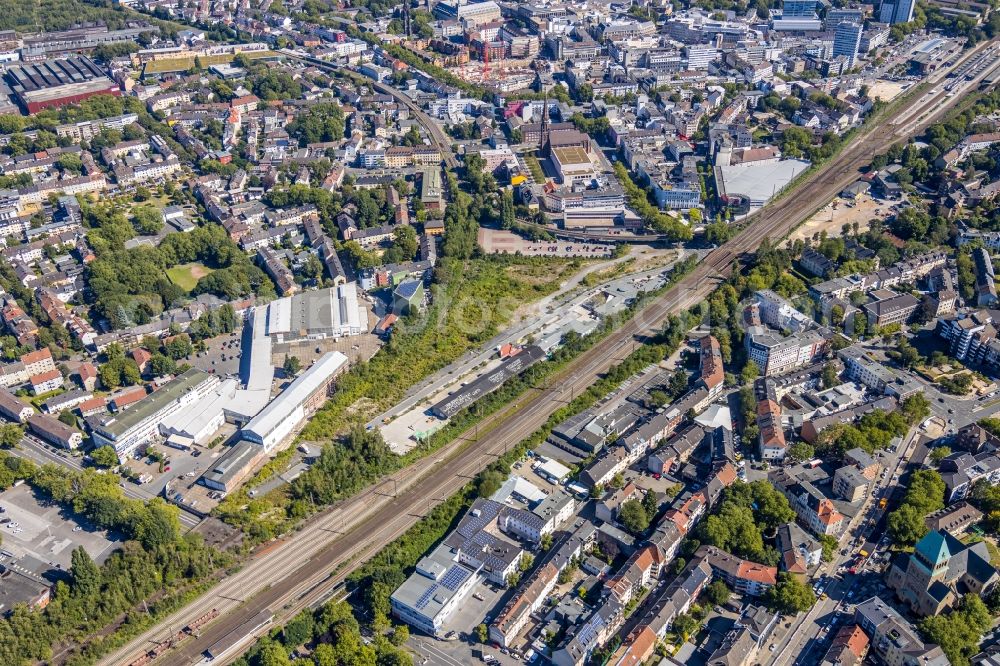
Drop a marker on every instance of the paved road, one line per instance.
(806, 641)
(297, 571)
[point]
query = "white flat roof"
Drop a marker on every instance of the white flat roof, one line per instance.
(261, 369)
(554, 469)
(297, 393)
(715, 416)
(193, 420)
(760, 182)
(518, 485)
(279, 316)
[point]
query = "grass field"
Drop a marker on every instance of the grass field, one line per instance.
(186, 276)
(184, 64)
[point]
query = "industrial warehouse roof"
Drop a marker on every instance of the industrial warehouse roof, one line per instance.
(232, 462)
(322, 312)
(52, 73)
(118, 424)
(297, 393)
(758, 182)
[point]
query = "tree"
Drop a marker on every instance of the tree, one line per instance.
(490, 481)
(104, 456)
(299, 630)
(483, 633)
(67, 417)
(10, 435)
(651, 504)
(959, 632)
(718, 592)
(70, 162)
(860, 324)
(291, 366)
(273, 654)
(837, 315)
(915, 408)
(632, 516)
(147, 219)
(400, 634)
(617, 481)
(684, 625)
(829, 375)
(939, 453)
(906, 525)
(507, 218)
(790, 595)
(85, 576)
(750, 372)
(800, 452)
(829, 545)
(178, 346)
(131, 376)
(162, 365)
(926, 491)
(527, 561)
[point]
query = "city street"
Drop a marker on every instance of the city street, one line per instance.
(808, 638)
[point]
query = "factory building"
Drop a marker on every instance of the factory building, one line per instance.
(315, 315)
(488, 382)
(302, 397)
(55, 83)
(140, 423)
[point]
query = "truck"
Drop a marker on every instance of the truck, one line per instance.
(882, 502)
(863, 553)
(304, 449)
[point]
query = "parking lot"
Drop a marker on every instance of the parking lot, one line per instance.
(184, 466)
(46, 531)
(221, 355)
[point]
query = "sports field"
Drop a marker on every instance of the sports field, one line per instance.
(186, 276)
(184, 64)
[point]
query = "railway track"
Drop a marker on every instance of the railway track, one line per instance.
(302, 569)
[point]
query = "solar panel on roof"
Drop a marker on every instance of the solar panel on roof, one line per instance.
(426, 596)
(454, 577)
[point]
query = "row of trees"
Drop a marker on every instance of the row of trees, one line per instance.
(875, 430)
(638, 200)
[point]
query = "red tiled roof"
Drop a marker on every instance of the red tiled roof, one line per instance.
(45, 377)
(759, 573)
(36, 356)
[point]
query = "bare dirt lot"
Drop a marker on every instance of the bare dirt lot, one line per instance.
(832, 217)
(496, 241)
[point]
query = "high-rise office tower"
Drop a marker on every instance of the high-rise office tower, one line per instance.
(847, 40)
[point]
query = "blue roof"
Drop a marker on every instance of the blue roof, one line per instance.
(408, 289)
(934, 548)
